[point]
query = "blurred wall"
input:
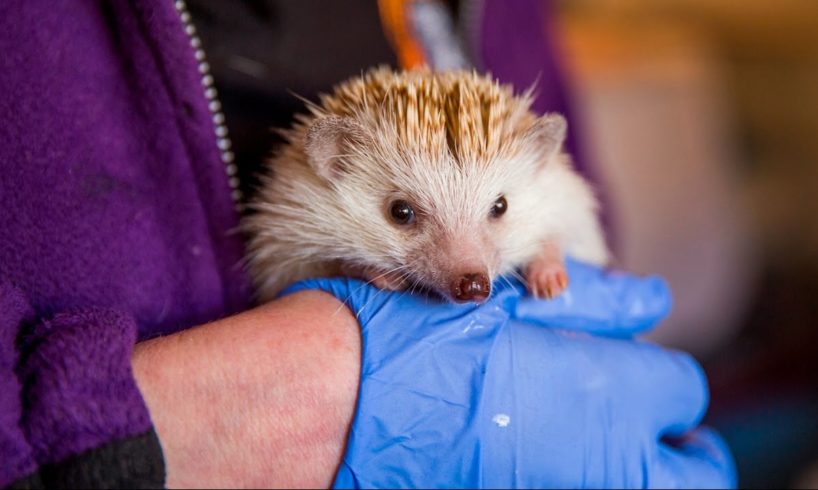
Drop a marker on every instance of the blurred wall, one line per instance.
(703, 117)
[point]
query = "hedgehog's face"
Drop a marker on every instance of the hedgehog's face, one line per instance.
(432, 221)
(444, 236)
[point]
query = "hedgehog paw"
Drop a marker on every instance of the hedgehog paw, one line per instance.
(547, 278)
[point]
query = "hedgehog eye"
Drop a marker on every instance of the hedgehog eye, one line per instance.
(499, 207)
(402, 212)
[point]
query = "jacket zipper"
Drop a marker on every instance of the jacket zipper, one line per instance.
(217, 116)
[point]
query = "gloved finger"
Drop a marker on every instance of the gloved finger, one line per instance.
(700, 460)
(667, 388)
(613, 304)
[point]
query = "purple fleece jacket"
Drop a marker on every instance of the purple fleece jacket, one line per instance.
(115, 217)
(116, 208)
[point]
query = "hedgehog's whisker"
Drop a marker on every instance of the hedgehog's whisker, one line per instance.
(369, 282)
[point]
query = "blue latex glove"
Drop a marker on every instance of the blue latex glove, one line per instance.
(484, 396)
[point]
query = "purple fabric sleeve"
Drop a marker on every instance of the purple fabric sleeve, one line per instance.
(75, 377)
(78, 384)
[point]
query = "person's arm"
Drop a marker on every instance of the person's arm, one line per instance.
(266, 398)
(261, 399)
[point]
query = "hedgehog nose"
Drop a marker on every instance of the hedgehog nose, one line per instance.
(471, 287)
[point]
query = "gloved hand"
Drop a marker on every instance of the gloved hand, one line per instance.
(485, 396)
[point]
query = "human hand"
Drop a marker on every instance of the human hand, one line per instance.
(479, 396)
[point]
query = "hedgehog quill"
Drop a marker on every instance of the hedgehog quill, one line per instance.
(443, 181)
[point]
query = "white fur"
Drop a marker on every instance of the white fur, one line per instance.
(306, 223)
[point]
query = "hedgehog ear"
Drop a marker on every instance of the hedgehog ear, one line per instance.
(328, 138)
(548, 134)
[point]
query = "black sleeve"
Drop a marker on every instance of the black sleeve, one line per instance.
(135, 462)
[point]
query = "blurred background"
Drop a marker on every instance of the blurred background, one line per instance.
(697, 120)
(702, 116)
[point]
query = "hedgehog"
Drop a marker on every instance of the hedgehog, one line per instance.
(439, 181)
